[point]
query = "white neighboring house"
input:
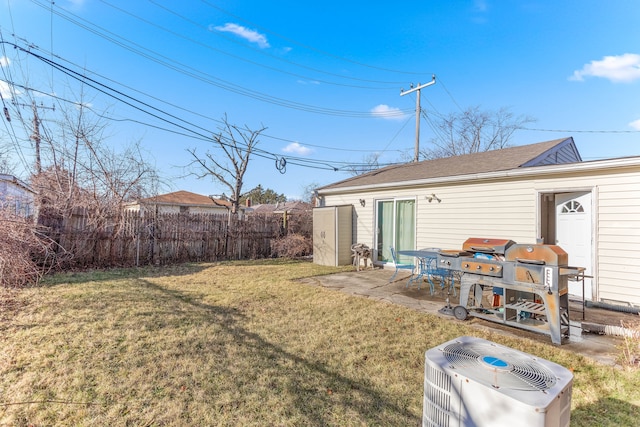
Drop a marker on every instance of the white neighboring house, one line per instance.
(179, 202)
(17, 196)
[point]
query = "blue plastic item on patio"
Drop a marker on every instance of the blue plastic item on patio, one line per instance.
(422, 272)
(443, 275)
(400, 266)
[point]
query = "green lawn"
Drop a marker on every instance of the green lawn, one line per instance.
(239, 343)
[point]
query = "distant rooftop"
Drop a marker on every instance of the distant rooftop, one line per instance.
(185, 198)
(289, 207)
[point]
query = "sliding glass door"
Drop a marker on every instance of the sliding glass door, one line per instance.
(395, 227)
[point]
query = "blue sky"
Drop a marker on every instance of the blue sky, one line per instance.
(325, 78)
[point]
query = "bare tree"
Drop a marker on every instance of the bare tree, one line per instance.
(473, 130)
(369, 163)
(309, 192)
(237, 144)
(5, 166)
(85, 182)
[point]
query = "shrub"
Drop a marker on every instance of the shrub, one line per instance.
(21, 243)
(291, 246)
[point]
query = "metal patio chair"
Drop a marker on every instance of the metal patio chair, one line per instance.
(399, 266)
(444, 276)
(419, 275)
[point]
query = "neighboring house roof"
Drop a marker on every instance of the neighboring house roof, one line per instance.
(544, 153)
(17, 182)
(184, 198)
(289, 207)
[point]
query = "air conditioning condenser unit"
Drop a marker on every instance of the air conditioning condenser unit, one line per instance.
(474, 382)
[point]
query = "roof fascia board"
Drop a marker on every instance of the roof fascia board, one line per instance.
(524, 172)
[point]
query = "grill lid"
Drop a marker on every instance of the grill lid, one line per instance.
(487, 246)
(538, 254)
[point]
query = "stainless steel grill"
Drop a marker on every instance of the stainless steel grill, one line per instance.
(520, 285)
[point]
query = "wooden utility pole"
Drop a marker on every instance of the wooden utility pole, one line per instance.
(35, 136)
(417, 89)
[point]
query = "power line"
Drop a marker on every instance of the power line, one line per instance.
(580, 131)
(260, 51)
(189, 135)
(186, 70)
(172, 105)
(130, 101)
(6, 71)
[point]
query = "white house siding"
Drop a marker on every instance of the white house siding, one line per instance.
(487, 209)
(169, 209)
(362, 216)
(508, 208)
(14, 195)
(476, 210)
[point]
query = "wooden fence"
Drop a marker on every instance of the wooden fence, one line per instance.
(136, 239)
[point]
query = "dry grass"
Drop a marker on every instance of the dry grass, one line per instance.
(239, 344)
(631, 343)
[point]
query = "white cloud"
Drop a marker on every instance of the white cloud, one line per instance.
(622, 68)
(635, 124)
(296, 148)
(6, 92)
(385, 112)
(4, 61)
(247, 34)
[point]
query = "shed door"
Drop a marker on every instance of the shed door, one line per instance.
(575, 236)
(324, 236)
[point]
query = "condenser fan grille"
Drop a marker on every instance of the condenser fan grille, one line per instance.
(498, 366)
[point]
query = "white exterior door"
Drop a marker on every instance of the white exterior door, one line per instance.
(575, 236)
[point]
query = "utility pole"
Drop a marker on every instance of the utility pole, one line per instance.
(417, 89)
(35, 136)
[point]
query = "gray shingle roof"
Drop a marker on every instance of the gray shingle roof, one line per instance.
(484, 162)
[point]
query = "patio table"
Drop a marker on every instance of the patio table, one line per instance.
(424, 257)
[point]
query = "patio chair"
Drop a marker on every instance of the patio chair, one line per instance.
(422, 272)
(400, 266)
(442, 275)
